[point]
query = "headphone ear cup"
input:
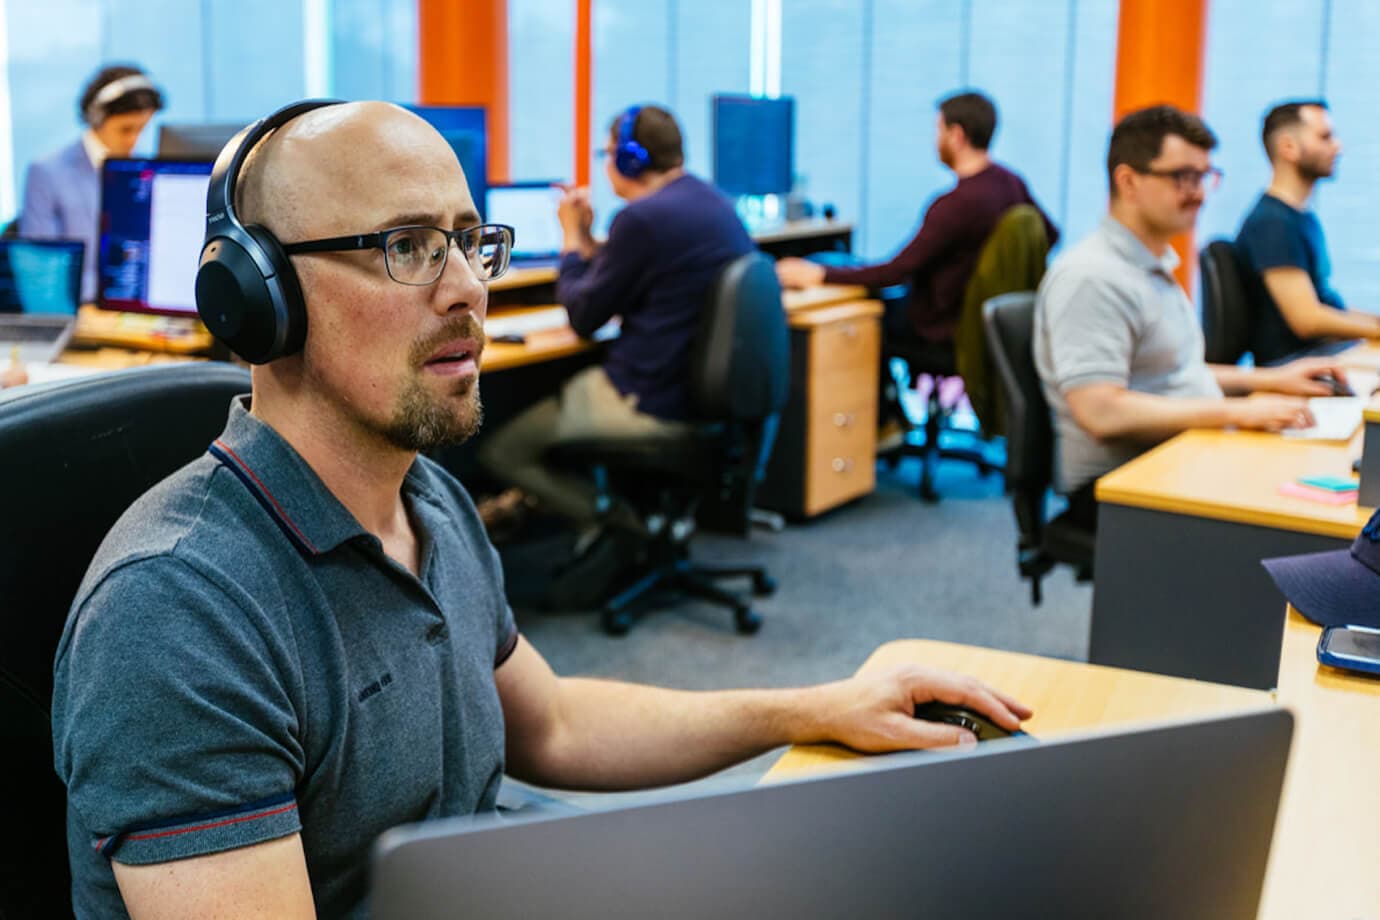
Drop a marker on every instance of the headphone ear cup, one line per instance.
(631, 159)
(259, 317)
(292, 307)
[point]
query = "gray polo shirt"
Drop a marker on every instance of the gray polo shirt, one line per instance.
(243, 661)
(1110, 311)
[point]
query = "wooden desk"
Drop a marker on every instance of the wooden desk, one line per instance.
(1322, 863)
(1178, 585)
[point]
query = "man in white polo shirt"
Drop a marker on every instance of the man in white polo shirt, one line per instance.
(1117, 342)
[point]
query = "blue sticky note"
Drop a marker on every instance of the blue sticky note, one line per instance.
(1330, 483)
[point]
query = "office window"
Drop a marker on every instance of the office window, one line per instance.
(373, 49)
(541, 89)
(1090, 91)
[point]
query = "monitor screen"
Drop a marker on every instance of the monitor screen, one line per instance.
(530, 209)
(153, 219)
(465, 129)
(40, 276)
(195, 142)
(753, 145)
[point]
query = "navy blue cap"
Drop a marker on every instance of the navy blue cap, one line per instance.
(1336, 588)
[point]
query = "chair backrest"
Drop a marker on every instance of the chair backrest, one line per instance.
(1010, 324)
(73, 457)
(1226, 305)
(740, 367)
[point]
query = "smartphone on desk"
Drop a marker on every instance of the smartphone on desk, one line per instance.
(1355, 648)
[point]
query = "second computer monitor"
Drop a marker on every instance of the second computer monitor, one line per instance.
(195, 141)
(465, 129)
(153, 219)
(753, 145)
(530, 209)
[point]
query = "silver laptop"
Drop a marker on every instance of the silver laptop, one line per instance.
(1172, 820)
(40, 283)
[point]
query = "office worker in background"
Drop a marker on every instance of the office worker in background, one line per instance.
(939, 260)
(654, 272)
(1281, 243)
(62, 193)
(301, 639)
(1117, 342)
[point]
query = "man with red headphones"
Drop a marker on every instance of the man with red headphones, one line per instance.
(301, 639)
(654, 271)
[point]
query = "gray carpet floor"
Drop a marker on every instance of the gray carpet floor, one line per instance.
(885, 567)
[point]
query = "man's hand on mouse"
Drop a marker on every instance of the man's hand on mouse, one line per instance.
(875, 713)
(1306, 377)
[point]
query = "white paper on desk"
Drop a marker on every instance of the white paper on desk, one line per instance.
(47, 373)
(1335, 418)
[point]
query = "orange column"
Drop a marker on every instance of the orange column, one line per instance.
(463, 60)
(1159, 59)
(584, 87)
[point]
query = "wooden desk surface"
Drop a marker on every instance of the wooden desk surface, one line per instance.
(1235, 476)
(822, 296)
(800, 230)
(1323, 859)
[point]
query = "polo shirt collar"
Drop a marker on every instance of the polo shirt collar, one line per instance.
(1129, 246)
(286, 486)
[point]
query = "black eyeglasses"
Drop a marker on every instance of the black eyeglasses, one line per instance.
(1189, 179)
(417, 255)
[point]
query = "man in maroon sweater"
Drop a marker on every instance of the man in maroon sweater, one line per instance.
(939, 260)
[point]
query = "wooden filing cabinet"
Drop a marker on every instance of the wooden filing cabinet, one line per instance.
(825, 451)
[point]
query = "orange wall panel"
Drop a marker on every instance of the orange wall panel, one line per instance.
(463, 60)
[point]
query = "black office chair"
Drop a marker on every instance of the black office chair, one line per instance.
(1226, 306)
(937, 361)
(740, 379)
(1010, 323)
(73, 457)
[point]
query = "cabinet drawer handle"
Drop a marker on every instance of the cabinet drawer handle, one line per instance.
(843, 419)
(842, 464)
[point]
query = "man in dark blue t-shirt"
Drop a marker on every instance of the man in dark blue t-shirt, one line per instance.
(1281, 243)
(663, 252)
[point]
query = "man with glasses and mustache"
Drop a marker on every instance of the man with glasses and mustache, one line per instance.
(301, 639)
(1281, 243)
(1117, 342)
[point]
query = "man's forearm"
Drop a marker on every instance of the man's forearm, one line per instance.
(623, 736)
(1145, 417)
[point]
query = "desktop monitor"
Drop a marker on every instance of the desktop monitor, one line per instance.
(40, 276)
(465, 129)
(754, 145)
(530, 209)
(1167, 820)
(195, 141)
(153, 219)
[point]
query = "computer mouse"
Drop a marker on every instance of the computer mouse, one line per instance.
(1338, 388)
(977, 723)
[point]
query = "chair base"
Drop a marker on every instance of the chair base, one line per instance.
(929, 451)
(679, 574)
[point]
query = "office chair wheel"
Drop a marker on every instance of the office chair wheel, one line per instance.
(616, 622)
(763, 585)
(746, 620)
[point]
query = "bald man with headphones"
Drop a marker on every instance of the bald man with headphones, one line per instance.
(654, 272)
(62, 192)
(301, 638)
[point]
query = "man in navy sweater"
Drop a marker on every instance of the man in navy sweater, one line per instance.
(663, 252)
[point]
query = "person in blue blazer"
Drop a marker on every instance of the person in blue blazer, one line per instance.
(62, 192)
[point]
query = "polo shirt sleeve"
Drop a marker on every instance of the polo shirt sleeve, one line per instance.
(1092, 324)
(1271, 240)
(173, 725)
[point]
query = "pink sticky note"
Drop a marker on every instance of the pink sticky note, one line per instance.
(1321, 496)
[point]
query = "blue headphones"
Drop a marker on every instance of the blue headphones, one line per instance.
(630, 158)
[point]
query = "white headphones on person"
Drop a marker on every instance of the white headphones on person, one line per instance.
(95, 112)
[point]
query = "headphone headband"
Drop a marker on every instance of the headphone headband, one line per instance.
(247, 291)
(629, 157)
(114, 90)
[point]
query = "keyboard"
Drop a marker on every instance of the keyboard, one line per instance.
(1336, 418)
(526, 322)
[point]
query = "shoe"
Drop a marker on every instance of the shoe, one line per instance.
(504, 514)
(891, 435)
(594, 575)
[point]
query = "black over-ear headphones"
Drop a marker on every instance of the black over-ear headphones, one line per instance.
(246, 288)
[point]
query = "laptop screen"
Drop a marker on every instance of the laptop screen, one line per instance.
(153, 219)
(530, 209)
(40, 276)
